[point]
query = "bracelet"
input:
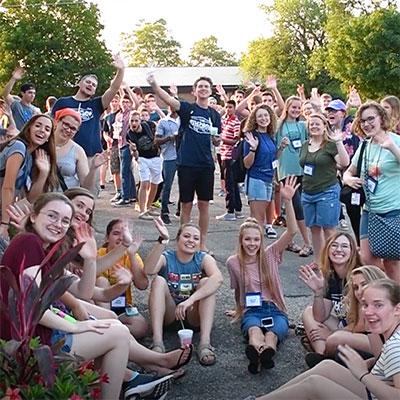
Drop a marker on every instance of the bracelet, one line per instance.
(362, 376)
(162, 240)
(4, 223)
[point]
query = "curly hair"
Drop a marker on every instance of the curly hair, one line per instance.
(251, 123)
(385, 120)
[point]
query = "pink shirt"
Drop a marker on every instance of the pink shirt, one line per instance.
(230, 130)
(252, 284)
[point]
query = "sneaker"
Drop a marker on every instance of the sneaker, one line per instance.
(242, 188)
(239, 215)
(147, 385)
(221, 193)
(121, 203)
(270, 232)
(157, 204)
(153, 212)
(146, 216)
(116, 197)
(165, 218)
(132, 200)
(226, 217)
(343, 225)
(312, 359)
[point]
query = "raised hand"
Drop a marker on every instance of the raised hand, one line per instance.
(314, 280)
(121, 275)
(84, 233)
(18, 73)
(336, 135)
(42, 161)
(385, 141)
(19, 214)
(288, 189)
(173, 89)
(162, 229)
(354, 97)
(315, 95)
(136, 242)
(251, 140)
(118, 62)
(300, 90)
(220, 90)
(151, 79)
(271, 82)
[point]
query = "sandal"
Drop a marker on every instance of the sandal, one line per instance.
(254, 357)
(306, 251)
(181, 363)
(294, 248)
(158, 347)
(206, 355)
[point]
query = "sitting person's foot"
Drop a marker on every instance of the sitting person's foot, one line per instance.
(254, 359)
(206, 354)
(266, 357)
(177, 358)
(146, 385)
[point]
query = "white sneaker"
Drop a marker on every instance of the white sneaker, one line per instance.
(239, 215)
(343, 225)
(270, 232)
(226, 217)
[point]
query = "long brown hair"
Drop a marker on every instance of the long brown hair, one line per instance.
(265, 274)
(251, 123)
(385, 120)
(80, 191)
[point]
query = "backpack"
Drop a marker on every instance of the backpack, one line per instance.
(239, 171)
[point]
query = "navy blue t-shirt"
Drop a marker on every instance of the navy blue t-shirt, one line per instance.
(88, 136)
(195, 147)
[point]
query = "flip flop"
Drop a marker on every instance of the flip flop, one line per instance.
(254, 358)
(180, 364)
(266, 358)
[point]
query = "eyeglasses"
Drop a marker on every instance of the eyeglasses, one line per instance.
(370, 120)
(54, 217)
(72, 129)
(343, 246)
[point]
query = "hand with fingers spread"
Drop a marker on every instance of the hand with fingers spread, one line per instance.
(353, 361)
(271, 82)
(288, 189)
(151, 79)
(251, 140)
(313, 279)
(19, 214)
(161, 227)
(136, 242)
(42, 161)
(118, 62)
(90, 326)
(173, 89)
(220, 90)
(300, 90)
(121, 275)
(85, 234)
(18, 73)
(336, 135)
(100, 158)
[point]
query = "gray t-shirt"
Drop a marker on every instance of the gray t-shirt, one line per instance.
(168, 127)
(22, 113)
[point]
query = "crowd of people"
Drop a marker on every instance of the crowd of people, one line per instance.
(307, 164)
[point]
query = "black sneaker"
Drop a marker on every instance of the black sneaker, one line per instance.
(165, 218)
(146, 386)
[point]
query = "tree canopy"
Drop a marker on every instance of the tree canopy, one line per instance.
(57, 42)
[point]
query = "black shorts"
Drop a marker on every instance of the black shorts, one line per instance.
(195, 180)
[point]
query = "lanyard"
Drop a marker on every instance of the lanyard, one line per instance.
(289, 136)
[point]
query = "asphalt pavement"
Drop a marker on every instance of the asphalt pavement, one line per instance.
(228, 378)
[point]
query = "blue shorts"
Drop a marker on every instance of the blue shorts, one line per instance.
(58, 335)
(364, 221)
(254, 315)
(322, 209)
(256, 189)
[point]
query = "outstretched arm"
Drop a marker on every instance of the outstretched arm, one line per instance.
(110, 93)
(17, 75)
(162, 94)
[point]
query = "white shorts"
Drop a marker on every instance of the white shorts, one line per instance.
(150, 169)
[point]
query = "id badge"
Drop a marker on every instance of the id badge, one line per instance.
(275, 164)
(253, 299)
(28, 183)
(296, 143)
(119, 302)
(355, 199)
(309, 169)
(372, 184)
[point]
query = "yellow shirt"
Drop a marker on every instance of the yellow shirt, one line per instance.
(125, 262)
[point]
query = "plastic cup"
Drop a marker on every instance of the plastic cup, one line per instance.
(185, 336)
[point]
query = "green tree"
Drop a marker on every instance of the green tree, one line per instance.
(57, 42)
(151, 46)
(206, 53)
(364, 51)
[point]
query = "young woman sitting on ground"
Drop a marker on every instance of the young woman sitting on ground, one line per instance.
(184, 288)
(328, 313)
(254, 273)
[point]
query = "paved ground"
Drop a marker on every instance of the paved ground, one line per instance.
(228, 378)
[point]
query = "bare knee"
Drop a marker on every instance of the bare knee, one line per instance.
(159, 283)
(120, 335)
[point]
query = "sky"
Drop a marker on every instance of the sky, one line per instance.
(234, 23)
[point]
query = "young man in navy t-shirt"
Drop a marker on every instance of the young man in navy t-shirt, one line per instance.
(201, 126)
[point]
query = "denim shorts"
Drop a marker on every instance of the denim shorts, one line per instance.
(256, 189)
(58, 335)
(253, 316)
(322, 209)
(364, 221)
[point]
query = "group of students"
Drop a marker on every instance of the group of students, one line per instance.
(304, 156)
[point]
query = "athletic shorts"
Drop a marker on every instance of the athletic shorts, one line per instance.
(193, 180)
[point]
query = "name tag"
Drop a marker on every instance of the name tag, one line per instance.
(253, 299)
(372, 184)
(28, 183)
(296, 143)
(309, 169)
(275, 164)
(213, 131)
(119, 302)
(355, 199)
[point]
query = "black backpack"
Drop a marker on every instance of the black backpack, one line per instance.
(239, 171)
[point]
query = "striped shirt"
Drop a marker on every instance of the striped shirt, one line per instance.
(230, 130)
(388, 364)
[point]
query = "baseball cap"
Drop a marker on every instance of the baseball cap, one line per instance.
(336, 105)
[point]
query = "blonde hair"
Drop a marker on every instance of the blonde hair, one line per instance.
(326, 124)
(265, 275)
(370, 273)
(394, 103)
(284, 114)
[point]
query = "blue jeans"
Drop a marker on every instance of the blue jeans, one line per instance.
(168, 171)
(128, 181)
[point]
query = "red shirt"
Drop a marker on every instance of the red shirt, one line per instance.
(230, 130)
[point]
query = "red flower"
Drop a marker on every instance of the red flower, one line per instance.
(95, 393)
(12, 394)
(104, 378)
(75, 397)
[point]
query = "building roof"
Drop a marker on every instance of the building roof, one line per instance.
(184, 76)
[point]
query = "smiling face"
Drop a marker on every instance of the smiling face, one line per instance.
(370, 122)
(307, 109)
(251, 241)
(114, 238)
(40, 131)
(316, 126)
(66, 128)
(202, 90)
(294, 109)
(381, 315)
(83, 206)
(189, 240)
(358, 282)
(52, 221)
(340, 251)
(263, 119)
